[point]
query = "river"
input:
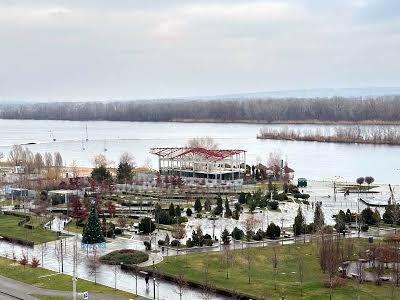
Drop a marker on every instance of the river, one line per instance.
(313, 160)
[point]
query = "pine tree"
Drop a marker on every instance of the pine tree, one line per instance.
(93, 233)
(299, 225)
(225, 237)
(228, 212)
(218, 210)
(197, 205)
(207, 204)
(171, 210)
(319, 219)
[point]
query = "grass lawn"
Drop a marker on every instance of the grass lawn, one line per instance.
(71, 226)
(43, 297)
(9, 227)
(59, 282)
(262, 282)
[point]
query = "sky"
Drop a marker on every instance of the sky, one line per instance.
(73, 50)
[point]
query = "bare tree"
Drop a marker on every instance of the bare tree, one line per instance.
(100, 160)
(48, 160)
(250, 224)
(58, 163)
(39, 163)
(301, 273)
(207, 287)
(15, 155)
(127, 158)
(206, 142)
(227, 257)
(249, 258)
(181, 283)
(274, 261)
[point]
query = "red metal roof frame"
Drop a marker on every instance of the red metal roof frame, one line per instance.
(216, 154)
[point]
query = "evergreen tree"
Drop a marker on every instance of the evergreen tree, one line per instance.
(146, 225)
(207, 204)
(177, 211)
(93, 233)
(100, 173)
(299, 224)
(228, 212)
(188, 212)
(319, 219)
(225, 237)
(218, 209)
(242, 198)
(171, 210)
(197, 205)
(124, 172)
(340, 225)
(273, 231)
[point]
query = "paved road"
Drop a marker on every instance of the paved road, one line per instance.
(13, 289)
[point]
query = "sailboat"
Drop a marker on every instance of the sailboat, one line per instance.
(87, 136)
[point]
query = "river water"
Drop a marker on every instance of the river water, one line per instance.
(318, 161)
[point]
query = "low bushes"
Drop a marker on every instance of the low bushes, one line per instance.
(126, 256)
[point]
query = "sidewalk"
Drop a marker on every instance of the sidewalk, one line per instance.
(23, 291)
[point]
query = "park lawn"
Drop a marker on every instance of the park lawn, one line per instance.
(44, 297)
(9, 227)
(71, 226)
(262, 282)
(60, 282)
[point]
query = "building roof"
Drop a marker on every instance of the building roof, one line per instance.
(214, 154)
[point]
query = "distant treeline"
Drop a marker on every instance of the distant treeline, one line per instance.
(352, 134)
(381, 109)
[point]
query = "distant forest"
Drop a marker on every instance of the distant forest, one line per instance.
(384, 109)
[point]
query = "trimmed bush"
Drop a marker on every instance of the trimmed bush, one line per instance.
(189, 243)
(364, 227)
(175, 243)
(161, 243)
(126, 256)
(208, 242)
(147, 244)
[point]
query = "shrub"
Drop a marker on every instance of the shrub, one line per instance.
(175, 243)
(208, 242)
(258, 236)
(237, 234)
(118, 231)
(189, 243)
(161, 243)
(301, 196)
(273, 231)
(35, 262)
(188, 212)
(235, 215)
(126, 256)
(23, 261)
(281, 197)
(273, 205)
(207, 237)
(147, 244)
(199, 216)
(364, 227)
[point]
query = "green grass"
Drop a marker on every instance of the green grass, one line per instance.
(44, 297)
(71, 226)
(60, 282)
(9, 227)
(192, 267)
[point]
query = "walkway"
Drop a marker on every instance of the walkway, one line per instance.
(22, 290)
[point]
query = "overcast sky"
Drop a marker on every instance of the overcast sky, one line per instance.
(100, 50)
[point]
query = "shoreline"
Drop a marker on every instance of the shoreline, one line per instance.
(250, 122)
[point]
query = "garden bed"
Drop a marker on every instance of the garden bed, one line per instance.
(125, 256)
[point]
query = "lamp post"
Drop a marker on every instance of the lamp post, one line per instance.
(154, 282)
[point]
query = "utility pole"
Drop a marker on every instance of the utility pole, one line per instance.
(74, 272)
(62, 257)
(154, 282)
